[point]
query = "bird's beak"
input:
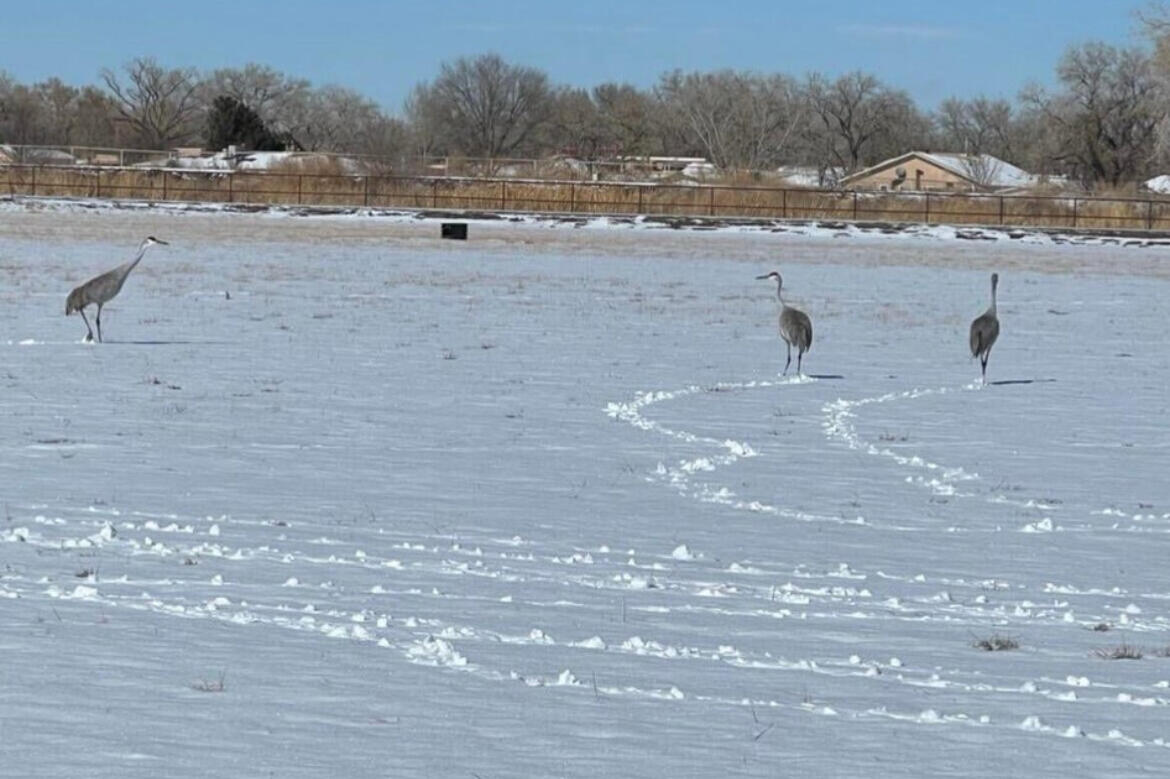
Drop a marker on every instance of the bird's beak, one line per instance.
(762, 277)
(164, 243)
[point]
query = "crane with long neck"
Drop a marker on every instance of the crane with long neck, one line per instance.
(795, 326)
(985, 330)
(101, 289)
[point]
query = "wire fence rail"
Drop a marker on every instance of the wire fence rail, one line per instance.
(261, 187)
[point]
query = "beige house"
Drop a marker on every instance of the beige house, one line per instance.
(920, 171)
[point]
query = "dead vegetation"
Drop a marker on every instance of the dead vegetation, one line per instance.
(1122, 651)
(210, 685)
(995, 643)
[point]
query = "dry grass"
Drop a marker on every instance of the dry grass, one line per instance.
(1120, 652)
(318, 180)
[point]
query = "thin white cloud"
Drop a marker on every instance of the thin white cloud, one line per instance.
(900, 31)
(555, 28)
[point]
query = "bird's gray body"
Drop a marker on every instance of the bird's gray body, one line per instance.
(101, 289)
(795, 326)
(985, 330)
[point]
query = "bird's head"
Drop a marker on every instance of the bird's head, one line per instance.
(151, 240)
(772, 275)
(73, 302)
(994, 280)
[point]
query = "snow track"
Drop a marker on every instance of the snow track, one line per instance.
(407, 604)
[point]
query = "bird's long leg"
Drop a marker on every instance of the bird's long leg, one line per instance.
(99, 322)
(983, 362)
(799, 357)
(89, 336)
(789, 360)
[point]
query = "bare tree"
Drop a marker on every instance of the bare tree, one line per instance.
(424, 126)
(273, 95)
(21, 115)
(631, 118)
(1154, 24)
(576, 126)
(337, 119)
(162, 105)
(859, 120)
(1103, 125)
(982, 168)
(740, 120)
(54, 113)
(979, 126)
(483, 106)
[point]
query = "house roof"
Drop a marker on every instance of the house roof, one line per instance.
(1159, 184)
(983, 169)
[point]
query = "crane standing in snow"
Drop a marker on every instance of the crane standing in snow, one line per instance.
(795, 326)
(985, 329)
(101, 289)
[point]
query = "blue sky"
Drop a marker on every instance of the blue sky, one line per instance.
(932, 48)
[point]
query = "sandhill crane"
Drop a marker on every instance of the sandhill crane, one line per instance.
(101, 289)
(985, 329)
(795, 327)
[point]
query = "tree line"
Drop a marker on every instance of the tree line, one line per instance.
(1105, 123)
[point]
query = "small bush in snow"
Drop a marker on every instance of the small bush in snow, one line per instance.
(1119, 652)
(208, 685)
(996, 643)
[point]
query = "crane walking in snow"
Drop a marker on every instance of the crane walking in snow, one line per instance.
(101, 289)
(795, 326)
(985, 329)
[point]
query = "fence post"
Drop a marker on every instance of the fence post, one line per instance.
(1149, 214)
(34, 181)
(299, 183)
(854, 205)
(503, 196)
(572, 197)
(711, 207)
(98, 183)
(640, 198)
(366, 191)
(164, 185)
(1076, 203)
(1001, 209)
(231, 187)
(927, 219)
(784, 204)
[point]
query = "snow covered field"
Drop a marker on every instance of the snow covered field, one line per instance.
(538, 504)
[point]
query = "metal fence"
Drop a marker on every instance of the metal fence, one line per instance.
(580, 197)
